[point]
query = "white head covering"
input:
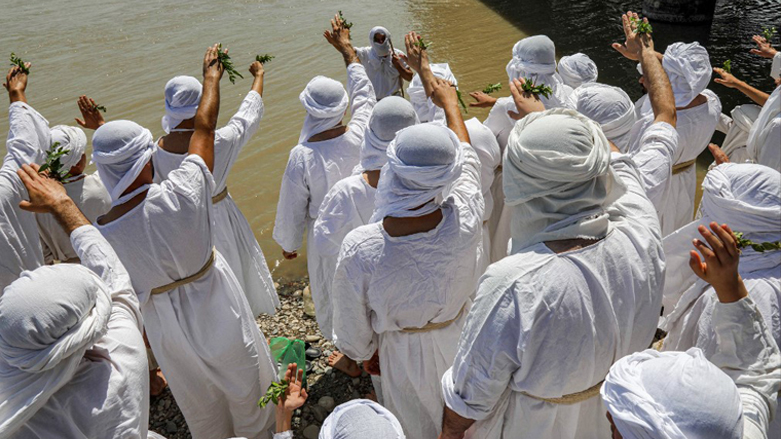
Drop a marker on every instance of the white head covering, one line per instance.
(424, 106)
(672, 395)
(325, 101)
(380, 50)
(389, 116)
(577, 69)
(608, 106)
(557, 178)
(72, 139)
(743, 117)
(422, 161)
(535, 58)
(360, 419)
(50, 317)
(688, 67)
(765, 136)
(121, 149)
(182, 96)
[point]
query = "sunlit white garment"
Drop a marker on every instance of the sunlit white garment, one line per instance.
(20, 247)
(578, 69)
(92, 199)
(379, 64)
(775, 68)
(203, 334)
(384, 284)
(765, 136)
(737, 129)
(610, 107)
(552, 324)
(105, 394)
(359, 419)
(233, 235)
(424, 106)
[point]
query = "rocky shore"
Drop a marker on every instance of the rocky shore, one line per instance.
(327, 387)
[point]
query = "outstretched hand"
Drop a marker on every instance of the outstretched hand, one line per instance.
(16, 83)
(295, 395)
(45, 193)
(718, 154)
(212, 67)
(636, 41)
(763, 49)
(482, 100)
(92, 117)
(719, 262)
(525, 102)
(444, 94)
(339, 35)
(727, 79)
(416, 53)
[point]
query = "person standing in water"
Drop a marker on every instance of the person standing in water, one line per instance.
(385, 65)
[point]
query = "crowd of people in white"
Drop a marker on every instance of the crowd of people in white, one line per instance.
(502, 278)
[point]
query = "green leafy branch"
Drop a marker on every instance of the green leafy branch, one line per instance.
(541, 89)
(227, 64)
(461, 101)
(274, 393)
(423, 44)
(16, 61)
(768, 33)
(759, 247)
(54, 163)
(728, 66)
(263, 59)
(96, 107)
(642, 26)
(346, 24)
(490, 88)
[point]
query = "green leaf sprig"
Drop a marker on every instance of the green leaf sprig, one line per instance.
(97, 107)
(759, 247)
(642, 26)
(347, 24)
(728, 66)
(227, 64)
(529, 86)
(461, 101)
(768, 33)
(16, 61)
(490, 88)
(263, 59)
(423, 44)
(54, 164)
(274, 393)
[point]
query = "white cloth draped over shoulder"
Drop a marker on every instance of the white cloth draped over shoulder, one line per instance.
(360, 419)
(379, 64)
(765, 135)
(203, 333)
(424, 106)
(608, 106)
(71, 139)
(737, 129)
(72, 358)
(578, 69)
(233, 235)
(28, 137)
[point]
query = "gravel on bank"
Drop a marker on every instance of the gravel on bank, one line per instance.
(327, 387)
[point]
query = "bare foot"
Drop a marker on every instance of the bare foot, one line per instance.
(342, 363)
(157, 382)
(371, 395)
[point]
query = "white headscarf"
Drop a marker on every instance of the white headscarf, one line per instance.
(182, 96)
(577, 69)
(389, 116)
(557, 178)
(325, 101)
(672, 395)
(535, 58)
(765, 136)
(72, 139)
(688, 67)
(380, 50)
(424, 106)
(608, 106)
(361, 419)
(50, 317)
(423, 160)
(121, 149)
(743, 117)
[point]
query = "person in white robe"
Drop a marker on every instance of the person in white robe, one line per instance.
(748, 198)
(72, 358)
(765, 135)
(28, 138)
(586, 244)
(403, 282)
(578, 69)
(86, 190)
(233, 238)
(197, 319)
(736, 128)
(384, 64)
(729, 393)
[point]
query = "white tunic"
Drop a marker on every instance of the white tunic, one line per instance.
(384, 284)
(93, 200)
(383, 75)
(108, 396)
(20, 247)
(233, 235)
(203, 334)
(552, 324)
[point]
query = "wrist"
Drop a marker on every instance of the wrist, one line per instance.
(16, 96)
(284, 419)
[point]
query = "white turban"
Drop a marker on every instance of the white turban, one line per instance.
(325, 101)
(424, 106)
(557, 178)
(688, 67)
(360, 419)
(121, 149)
(72, 139)
(50, 317)
(608, 106)
(535, 58)
(182, 96)
(389, 116)
(765, 136)
(378, 49)
(577, 69)
(423, 160)
(672, 395)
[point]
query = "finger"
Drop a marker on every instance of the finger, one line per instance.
(755, 52)
(625, 24)
(304, 394)
(727, 238)
(696, 264)
(719, 81)
(26, 205)
(513, 115)
(715, 243)
(300, 376)
(81, 122)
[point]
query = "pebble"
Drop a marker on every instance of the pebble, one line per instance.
(327, 403)
(313, 338)
(171, 427)
(319, 413)
(312, 432)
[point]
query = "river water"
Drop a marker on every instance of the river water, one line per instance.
(122, 53)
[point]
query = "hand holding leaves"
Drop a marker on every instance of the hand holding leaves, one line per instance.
(526, 101)
(764, 48)
(227, 64)
(415, 52)
(638, 36)
(45, 193)
(90, 111)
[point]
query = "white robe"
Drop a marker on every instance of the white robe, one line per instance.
(233, 235)
(737, 129)
(20, 247)
(552, 324)
(765, 136)
(92, 199)
(108, 396)
(384, 284)
(383, 75)
(203, 334)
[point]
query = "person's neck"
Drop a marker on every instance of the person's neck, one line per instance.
(178, 142)
(568, 245)
(329, 134)
(120, 210)
(402, 226)
(699, 100)
(372, 178)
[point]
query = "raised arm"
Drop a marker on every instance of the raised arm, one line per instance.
(47, 195)
(16, 84)
(202, 140)
(92, 119)
(28, 132)
(417, 57)
(731, 81)
(339, 37)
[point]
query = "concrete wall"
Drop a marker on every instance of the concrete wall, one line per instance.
(679, 11)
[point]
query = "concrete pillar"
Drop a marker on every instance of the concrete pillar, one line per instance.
(679, 11)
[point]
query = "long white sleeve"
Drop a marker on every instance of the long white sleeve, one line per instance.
(654, 159)
(28, 136)
(362, 99)
(293, 206)
(230, 139)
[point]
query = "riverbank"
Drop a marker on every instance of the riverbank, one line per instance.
(327, 387)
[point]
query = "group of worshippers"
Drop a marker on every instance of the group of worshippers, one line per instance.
(497, 279)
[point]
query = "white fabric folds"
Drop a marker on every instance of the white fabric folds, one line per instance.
(121, 149)
(360, 419)
(672, 395)
(608, 106)
(535, 58)
(72, 139)
(389, 116)
(325, 101)
(577, 69)
(557, 178)
(50, 317)
(765, 136)
(424, 106)
(182, 97)
(689, 69)
(422, 161)
(737, 130)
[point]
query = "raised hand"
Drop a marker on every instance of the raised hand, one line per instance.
(483, 100)
(718, 154)
(415, 51)
(339, 37)
(212, 67)
(719, 263)
(727, 79)
(295, 395)
(45, 193)
(763, 49)
(256, 69)
(635, 41)
(92, 117)
(525, 102)
(16, 83)
(444, 94)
